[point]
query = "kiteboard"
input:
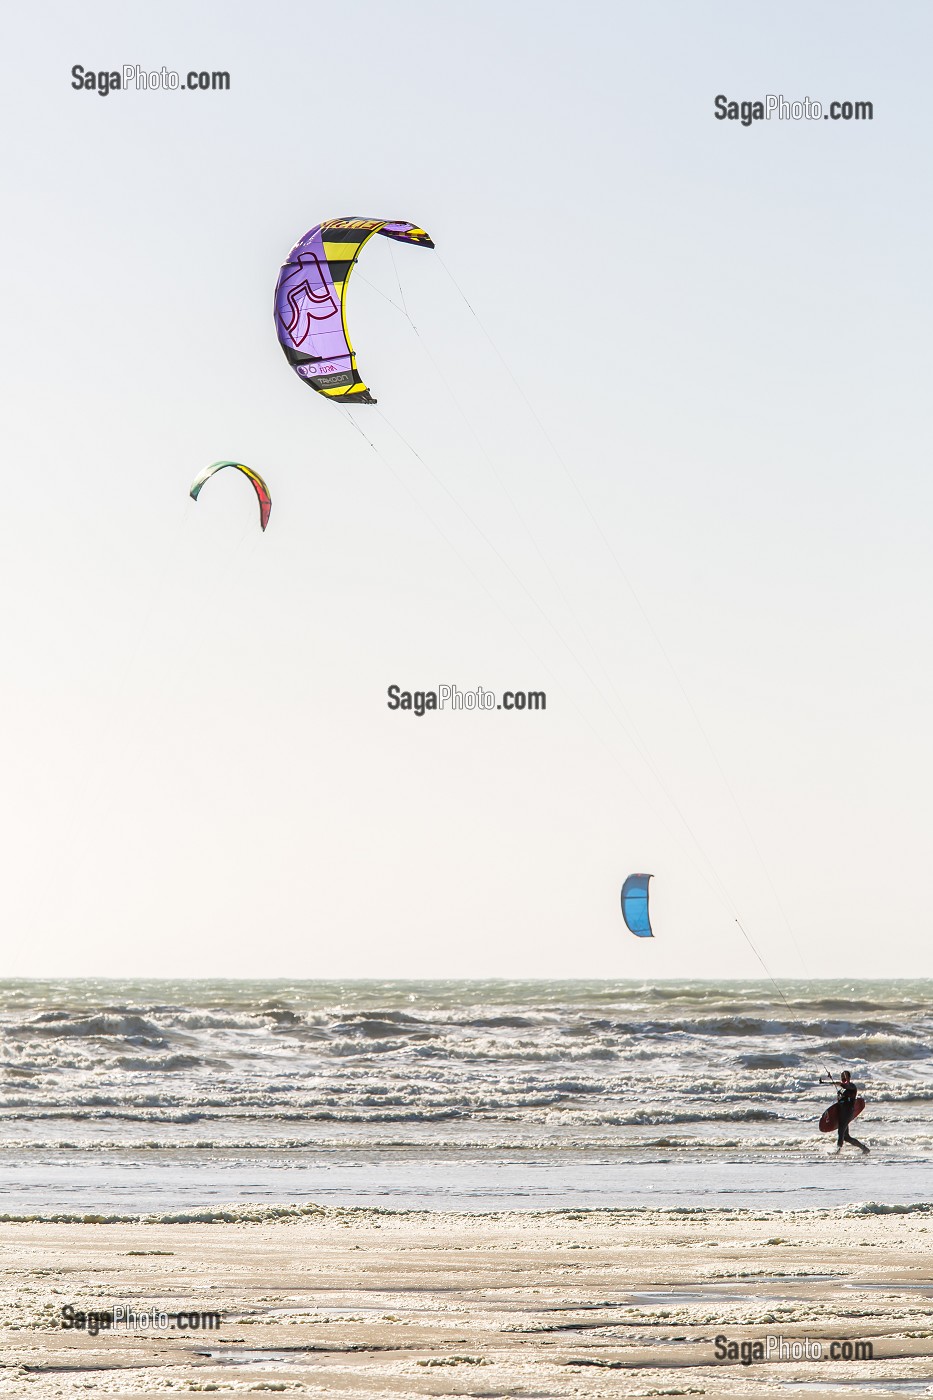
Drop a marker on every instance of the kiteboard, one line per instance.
(830, 1119)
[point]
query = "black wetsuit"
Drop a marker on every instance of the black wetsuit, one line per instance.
(847, 1096)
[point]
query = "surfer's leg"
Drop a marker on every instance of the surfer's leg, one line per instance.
(855, 1143)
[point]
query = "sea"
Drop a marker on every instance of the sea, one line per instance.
(186, 1099)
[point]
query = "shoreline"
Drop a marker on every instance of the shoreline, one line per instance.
(125, 1182)
(252, 1214)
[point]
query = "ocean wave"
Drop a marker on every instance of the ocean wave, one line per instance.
(165, 1064)
(657, 1117)
(208, 1215)
(895, 1005)
(399, 1018)
(878, 1047)
(773, 1061)
(744, 1025)
(364, 1047)
(908, 1094)
(880, 1208)
(211, 1021)
(376, 1028)
(514, 1023)
(125, 1025)
(533, 1054)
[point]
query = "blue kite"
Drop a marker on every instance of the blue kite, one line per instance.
(635, 906)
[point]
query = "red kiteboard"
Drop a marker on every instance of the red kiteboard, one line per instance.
(830, 1119)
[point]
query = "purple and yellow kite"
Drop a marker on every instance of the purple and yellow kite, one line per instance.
(259, 486)
(310, 303)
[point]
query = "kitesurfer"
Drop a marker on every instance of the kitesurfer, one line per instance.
(846, 1096)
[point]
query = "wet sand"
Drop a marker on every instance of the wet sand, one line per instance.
(368, 1303)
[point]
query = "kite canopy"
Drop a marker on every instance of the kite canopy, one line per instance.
(635, 905)
(260, 487)
(310, 302)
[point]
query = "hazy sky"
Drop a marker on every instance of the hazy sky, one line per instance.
(724, 332)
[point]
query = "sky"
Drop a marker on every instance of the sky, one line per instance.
(651, 436)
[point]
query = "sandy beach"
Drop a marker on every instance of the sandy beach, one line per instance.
(371, 1303)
